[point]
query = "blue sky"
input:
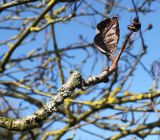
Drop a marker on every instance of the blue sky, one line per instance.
(69, 32)
(141, 81)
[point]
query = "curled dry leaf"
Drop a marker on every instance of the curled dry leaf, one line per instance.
(107, 37)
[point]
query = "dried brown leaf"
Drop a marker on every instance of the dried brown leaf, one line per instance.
(107, 37)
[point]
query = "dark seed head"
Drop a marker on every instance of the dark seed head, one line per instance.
(150, 26)
(135, 26)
